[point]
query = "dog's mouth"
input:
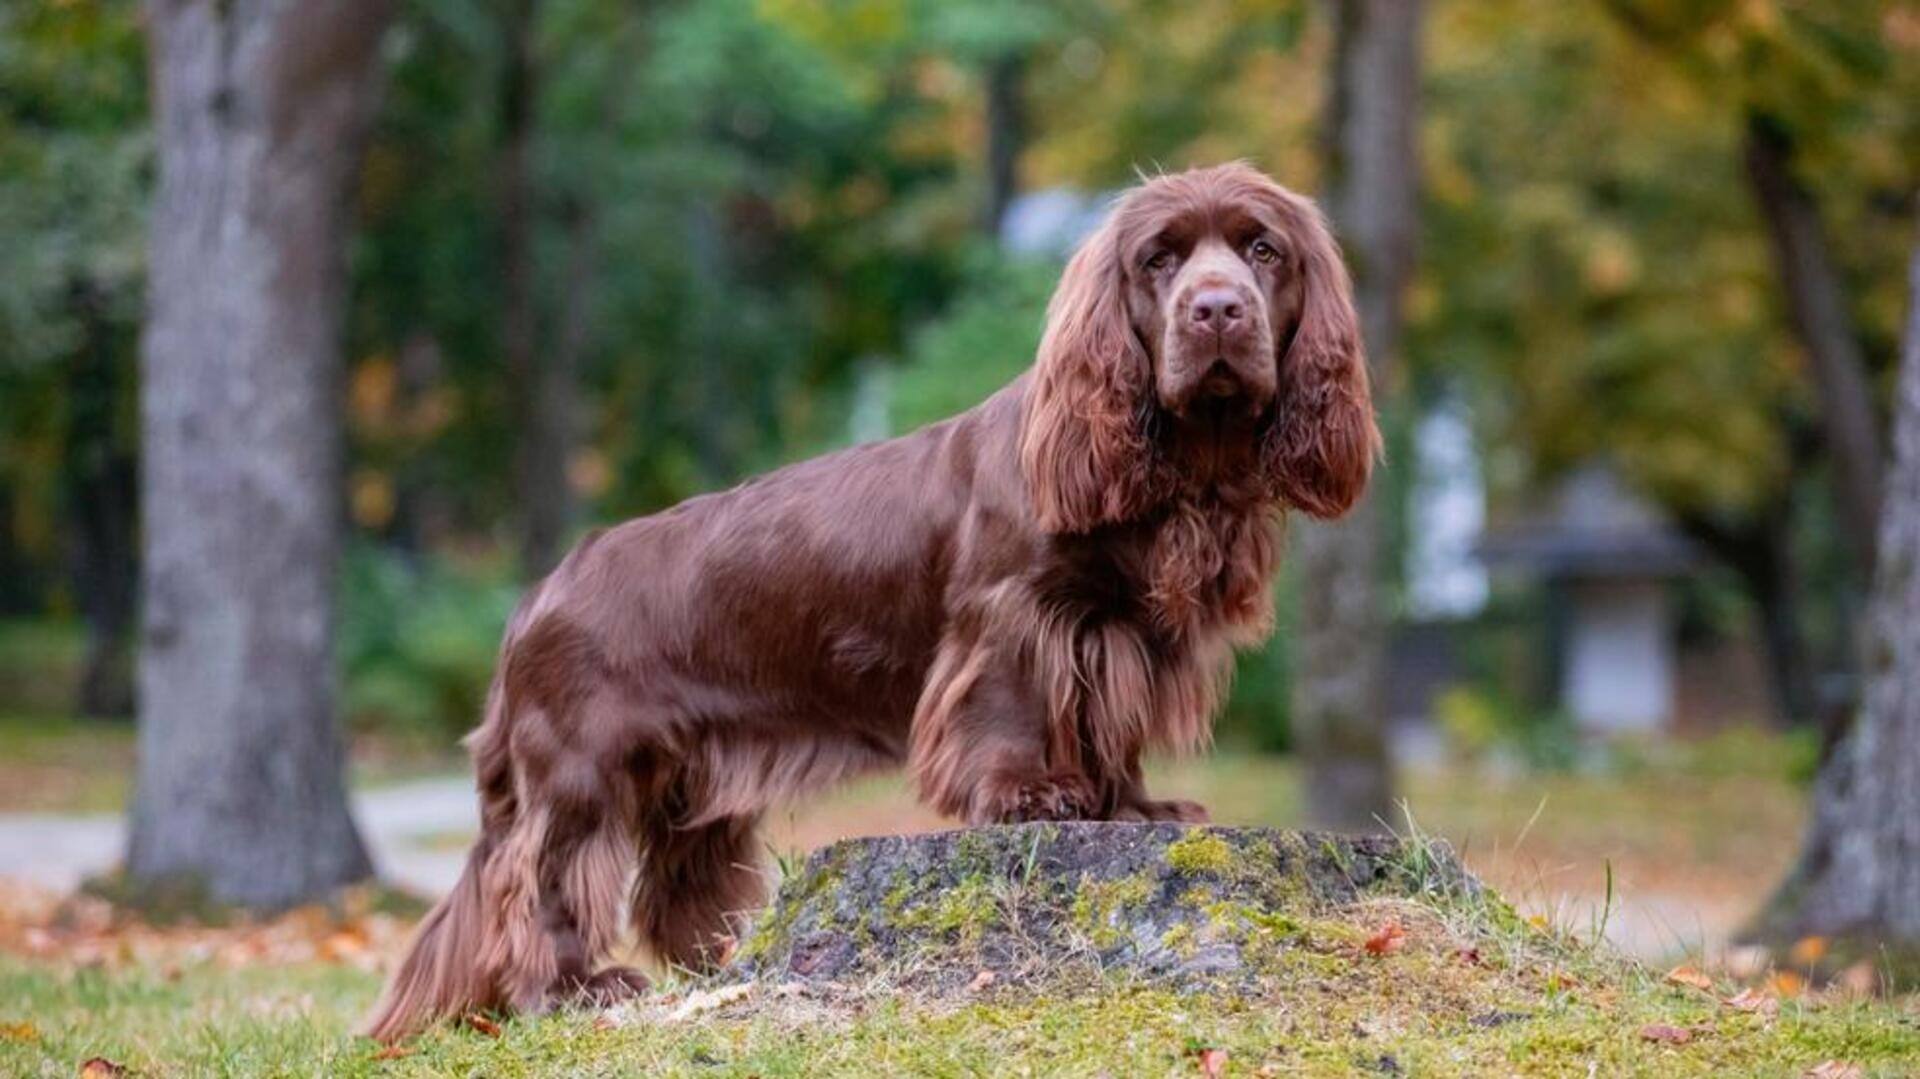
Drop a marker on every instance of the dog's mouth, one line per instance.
(1220, 381)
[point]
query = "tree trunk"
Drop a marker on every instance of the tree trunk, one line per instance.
(261, 112)
(1859, 869)
(1339, 704)
(1006, 133)
(1817, 305)
(541, 390)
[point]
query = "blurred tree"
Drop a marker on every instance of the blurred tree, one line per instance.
(74, 159)
(1858, 875)
(1770, 67)
(261, 109)
(1592, 279)
(1372, 195)
(542, 377)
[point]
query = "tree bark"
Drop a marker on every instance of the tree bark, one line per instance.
(1859, 868)
(261, 112)
(541, 385)
(1817, 306)
(1006, 134)
(1339, 703)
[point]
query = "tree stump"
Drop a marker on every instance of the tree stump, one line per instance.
(1043, 901)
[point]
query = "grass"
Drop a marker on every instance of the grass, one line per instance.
(1527, 1007)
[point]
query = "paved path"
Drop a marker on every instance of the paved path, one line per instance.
(59, 851)
(415, 828)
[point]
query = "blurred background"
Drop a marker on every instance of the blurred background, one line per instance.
(1634, 284)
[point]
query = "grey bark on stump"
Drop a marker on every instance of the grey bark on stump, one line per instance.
(261, 111)
(1859, 869)
(1339, 703)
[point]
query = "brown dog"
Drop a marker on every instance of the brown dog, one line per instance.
(1018, 602)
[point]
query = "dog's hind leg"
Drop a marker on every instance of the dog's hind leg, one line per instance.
(697, 885)
(559, 885)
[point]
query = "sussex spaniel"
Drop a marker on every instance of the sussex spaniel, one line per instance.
(1016, 602)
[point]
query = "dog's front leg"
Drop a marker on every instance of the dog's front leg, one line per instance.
(981, 746)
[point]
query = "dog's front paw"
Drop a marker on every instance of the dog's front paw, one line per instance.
(1055, 797)
(607, 987)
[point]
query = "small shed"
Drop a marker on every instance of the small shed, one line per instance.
(1607, 561)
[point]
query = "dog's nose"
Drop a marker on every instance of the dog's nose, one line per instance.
(1217, 308)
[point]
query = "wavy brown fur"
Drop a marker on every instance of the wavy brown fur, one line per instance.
(1018, 603)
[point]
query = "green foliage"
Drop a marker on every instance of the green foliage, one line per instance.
(417, 642)
(982, 342)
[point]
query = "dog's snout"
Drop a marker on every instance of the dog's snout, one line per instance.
(1216, 308)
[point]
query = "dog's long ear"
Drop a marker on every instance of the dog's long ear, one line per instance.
(1084, 444)
(1321, 448)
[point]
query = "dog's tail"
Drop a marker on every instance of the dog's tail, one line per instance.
(441, 976)
(448, 970)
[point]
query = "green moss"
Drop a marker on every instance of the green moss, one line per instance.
(1200, 852)
(1180, 939)
(1097, 906)
(961, 913)
(773, 931)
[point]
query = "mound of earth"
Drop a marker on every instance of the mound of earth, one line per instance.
(1023, 903)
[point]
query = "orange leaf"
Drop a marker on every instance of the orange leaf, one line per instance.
(1807, 951)
(1836, 1069)
(1669, 1035)
(393, 1052)
(1758, 1001)
(1691, 978)
(1390, 938)
(1213, 1062)
(482, 1024)
(19, 1032)
(101, 1068)
(1788, 984)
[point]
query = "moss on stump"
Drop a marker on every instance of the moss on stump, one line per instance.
(1026, 902)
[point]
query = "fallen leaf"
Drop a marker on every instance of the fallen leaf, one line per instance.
(981, 981)
(101, 1068)
(1389, 939)
(1758, 1001)
(19, 1032)
(1835, 1069)
(1860, 979)
(393, 1052)
(708, 999)
(344, 944)
(1807, 951)
(482, 1024)
(1213, 1062)
(1691, 978)
(1668, 1035)
(1788, 984)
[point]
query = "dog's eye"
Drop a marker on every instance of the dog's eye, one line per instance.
(1262, 251)
(1159, 260)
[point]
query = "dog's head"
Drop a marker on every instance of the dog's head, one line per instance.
(1211, 307)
